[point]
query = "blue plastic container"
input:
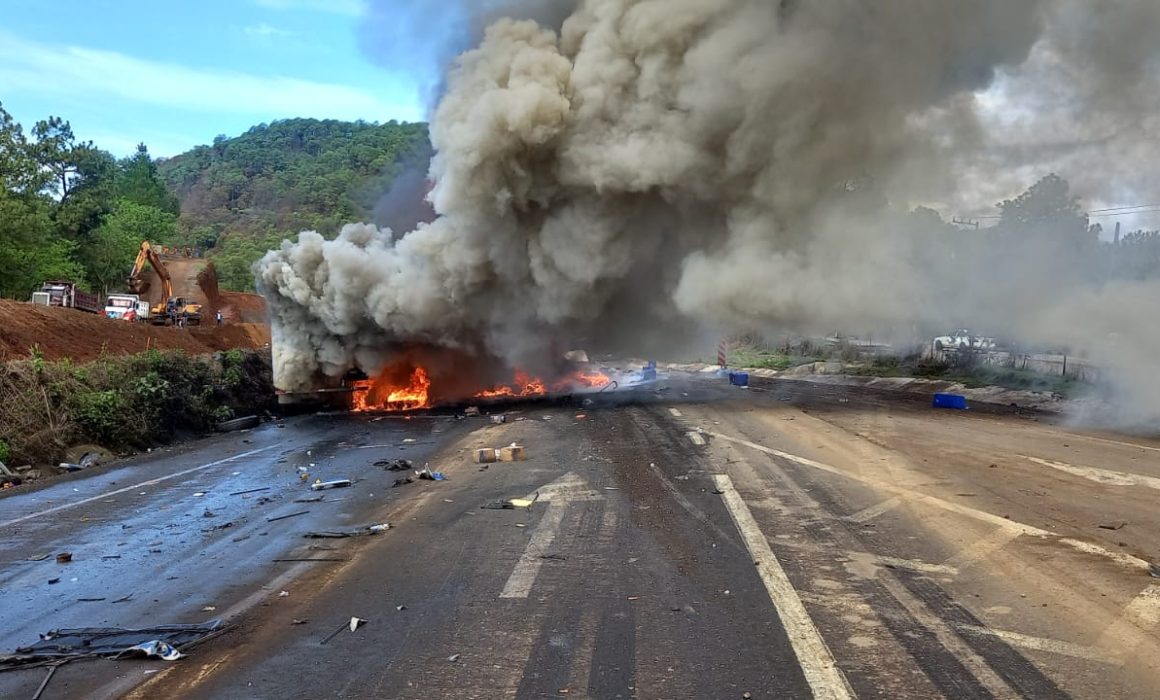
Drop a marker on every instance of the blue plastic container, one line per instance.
(739, 378)
(953, 401)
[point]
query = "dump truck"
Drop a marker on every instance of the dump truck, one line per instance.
(67, 295)
(173, 310)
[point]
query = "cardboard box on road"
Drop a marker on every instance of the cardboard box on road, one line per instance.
(512, 453)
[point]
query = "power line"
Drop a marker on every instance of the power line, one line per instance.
(1134, 206)
(1112, 211)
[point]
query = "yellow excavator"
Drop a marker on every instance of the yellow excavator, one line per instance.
(172, 311)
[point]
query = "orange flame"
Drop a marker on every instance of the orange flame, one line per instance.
(526, 386)
(368, 394)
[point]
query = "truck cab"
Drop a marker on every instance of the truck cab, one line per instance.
(126, 307)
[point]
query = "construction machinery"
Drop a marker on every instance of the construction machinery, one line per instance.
(126, 307)
(173, 310)
(67, 295)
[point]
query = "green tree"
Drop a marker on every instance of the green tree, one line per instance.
(31, 251)
(117, 240)
(140, 182)
(1047, 208)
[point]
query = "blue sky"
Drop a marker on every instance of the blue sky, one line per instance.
(176, 74)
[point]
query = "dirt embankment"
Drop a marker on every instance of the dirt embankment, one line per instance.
(83, 337)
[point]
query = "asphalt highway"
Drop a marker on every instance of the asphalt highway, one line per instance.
(685, 540)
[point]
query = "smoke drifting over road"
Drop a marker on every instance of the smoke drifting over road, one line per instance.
(657, 167)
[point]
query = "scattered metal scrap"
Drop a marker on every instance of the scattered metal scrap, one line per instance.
(340, 534)
(395, 465)
(58, 646)
(288, 515)
(242, 493)
(320, 485)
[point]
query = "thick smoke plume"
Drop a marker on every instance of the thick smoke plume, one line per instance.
(656, 168)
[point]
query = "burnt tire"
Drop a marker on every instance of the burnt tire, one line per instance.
(245, 423)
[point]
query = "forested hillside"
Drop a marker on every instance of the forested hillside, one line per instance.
(242, 196)
(69, 210)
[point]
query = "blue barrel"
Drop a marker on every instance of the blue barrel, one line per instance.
(739, 378)
(953, 401)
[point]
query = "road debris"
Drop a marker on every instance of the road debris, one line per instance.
(284, 594)
(486, 456)
(44, 683)
(498, 419)
(125, 599)
(454, 657)
(243, 493)
(316, 499)
(1113, 525)
(428, 475)
(952, 401)
(354, 624)
(512, 503)
(402, 482)
(400, 608)
(513, 453)
(64, 557)
(296, 621)
(739, 379)
(53, 581)
(287, 516)
(320, 485)
(162, 642)
(209, 608)
(696, 437)
(395, 465)
(341, 534)
(90, 600)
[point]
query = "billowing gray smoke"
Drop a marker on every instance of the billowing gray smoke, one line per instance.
(659, 167)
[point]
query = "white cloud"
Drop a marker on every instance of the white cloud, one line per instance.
(352, 8)
(265, 31)
(104, 76)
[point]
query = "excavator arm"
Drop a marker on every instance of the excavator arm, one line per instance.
(138, 285)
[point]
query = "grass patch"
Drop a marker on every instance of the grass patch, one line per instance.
(763, 358)
(974, 377)
(126, 402)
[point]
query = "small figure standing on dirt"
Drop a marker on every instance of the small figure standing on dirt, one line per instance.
(218, 317)
(181, 321)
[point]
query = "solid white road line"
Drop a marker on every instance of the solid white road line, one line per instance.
(1055, 646)
(519, 584)
(981, 515)
(817, 663)
(1141, 616)
(134, 487)
(1100, 476)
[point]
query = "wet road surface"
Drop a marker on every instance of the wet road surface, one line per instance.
(792, 541)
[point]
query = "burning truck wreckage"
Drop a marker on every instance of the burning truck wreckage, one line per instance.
(641, 178)
(605, 178)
